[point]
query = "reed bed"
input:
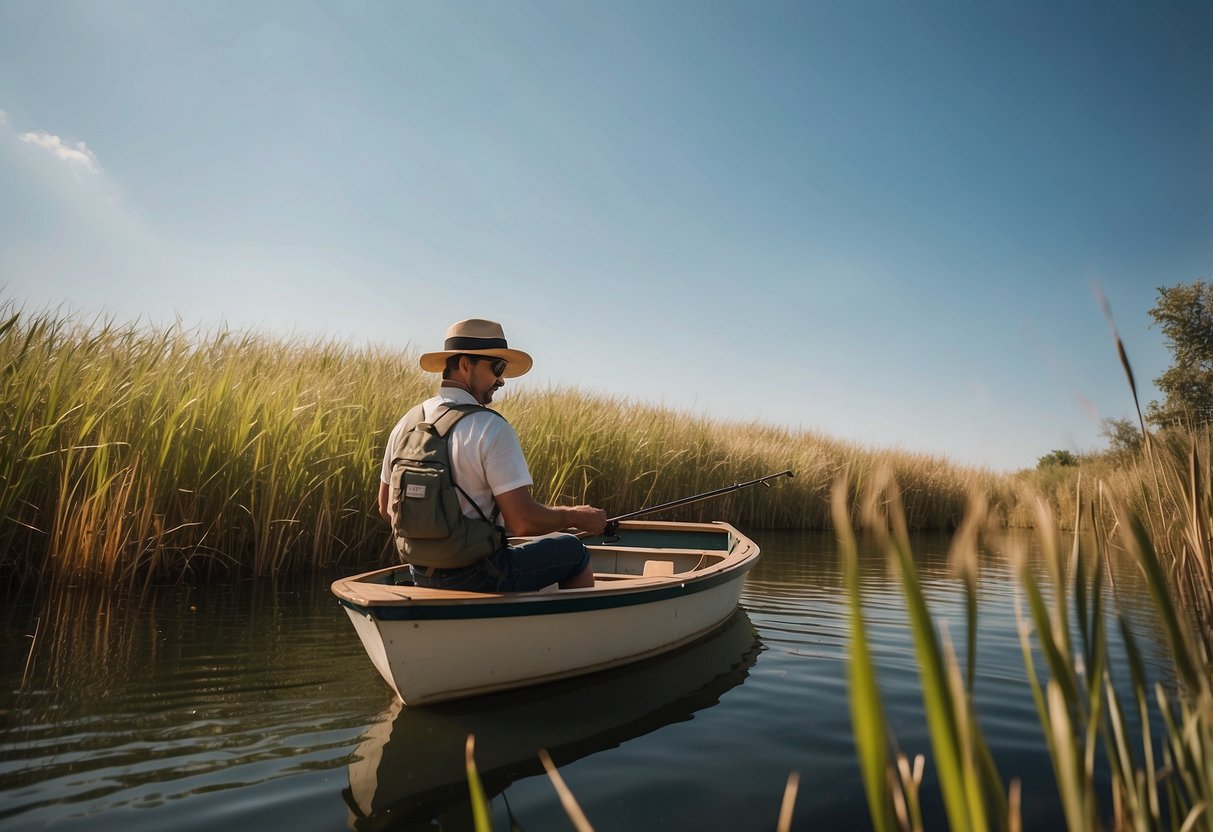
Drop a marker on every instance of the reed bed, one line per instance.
(132, 453)
(1156, 783)
(1166, 487)
(1157, 508)
(128, 453)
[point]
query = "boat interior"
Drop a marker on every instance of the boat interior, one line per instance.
(614, 565)
(654, 553)
(635, 551)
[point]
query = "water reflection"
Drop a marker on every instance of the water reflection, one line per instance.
(125, 702)
(248, 706)
(409, 769)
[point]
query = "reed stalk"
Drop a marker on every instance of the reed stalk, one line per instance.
(482, 818)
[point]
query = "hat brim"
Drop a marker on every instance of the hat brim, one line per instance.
(517, 362)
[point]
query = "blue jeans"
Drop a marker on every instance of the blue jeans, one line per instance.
(545, 560)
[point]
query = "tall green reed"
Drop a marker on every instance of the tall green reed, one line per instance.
(1081, 713)
(1159, 510)
(974, 796)
(1166, 487)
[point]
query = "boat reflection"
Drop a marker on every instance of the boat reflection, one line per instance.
(409, 769)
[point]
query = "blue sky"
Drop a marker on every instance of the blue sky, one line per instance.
(881, 221)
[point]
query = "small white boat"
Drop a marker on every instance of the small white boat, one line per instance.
(657, 586)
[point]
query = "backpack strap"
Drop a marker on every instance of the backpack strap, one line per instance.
(444, 421)
(447, 415)
(413, 418)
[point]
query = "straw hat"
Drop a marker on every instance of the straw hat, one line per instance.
(476, 336)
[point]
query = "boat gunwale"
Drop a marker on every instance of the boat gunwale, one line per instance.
(368, 595)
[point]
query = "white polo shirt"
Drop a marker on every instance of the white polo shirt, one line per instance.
(486, 457)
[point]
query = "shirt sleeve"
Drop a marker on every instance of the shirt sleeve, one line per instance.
(504, 465)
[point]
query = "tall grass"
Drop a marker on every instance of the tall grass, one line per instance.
(127, 453)
(1082, 716)
(132, 453)
(1166, 488)
(1158, 509)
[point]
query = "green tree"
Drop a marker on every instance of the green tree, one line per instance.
(1185, 314)
(1124, 438)
(1052, 458)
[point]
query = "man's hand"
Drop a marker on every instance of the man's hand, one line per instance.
(588, 519)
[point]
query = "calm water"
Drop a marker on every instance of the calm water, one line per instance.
(253, 705)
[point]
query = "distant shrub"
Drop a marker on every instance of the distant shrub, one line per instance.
(1056, 458)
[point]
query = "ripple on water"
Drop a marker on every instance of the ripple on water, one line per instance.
(160, 707)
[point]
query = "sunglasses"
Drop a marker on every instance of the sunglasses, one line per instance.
(498, 366)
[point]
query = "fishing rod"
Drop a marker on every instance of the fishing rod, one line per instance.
(613, 523)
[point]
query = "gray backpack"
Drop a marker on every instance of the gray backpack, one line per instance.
(429, 526)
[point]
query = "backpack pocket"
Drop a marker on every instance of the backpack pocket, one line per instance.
(425, 508)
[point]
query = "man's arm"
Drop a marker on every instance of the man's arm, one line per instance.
(524, 516)
(383, 498)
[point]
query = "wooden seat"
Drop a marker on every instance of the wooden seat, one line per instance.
(658, 568)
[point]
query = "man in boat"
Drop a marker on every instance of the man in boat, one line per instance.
(488, 466)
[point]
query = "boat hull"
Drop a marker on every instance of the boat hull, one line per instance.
(411, 766)
(433, 646)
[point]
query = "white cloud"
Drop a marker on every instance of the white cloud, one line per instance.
(3, 117)
(78, 156)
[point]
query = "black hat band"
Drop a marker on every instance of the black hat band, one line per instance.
(458, 344)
